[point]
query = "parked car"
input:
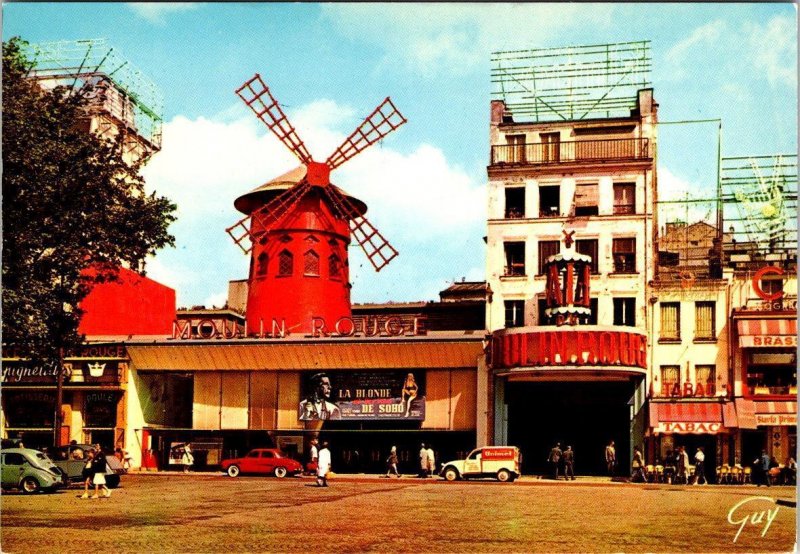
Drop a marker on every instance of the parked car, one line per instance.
(29, 471)
(264, 461)
(500, 462)
(72, 457)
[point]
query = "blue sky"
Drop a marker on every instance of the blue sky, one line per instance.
(425, 185)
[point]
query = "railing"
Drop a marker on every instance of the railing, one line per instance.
(571, 151)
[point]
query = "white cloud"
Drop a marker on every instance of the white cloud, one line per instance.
(679, 57)
(671, 187)
(773, 49)
(156, 12)
(425, 206)
(216, 300)
(456, 38)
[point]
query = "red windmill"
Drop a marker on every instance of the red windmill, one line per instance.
(298, 225)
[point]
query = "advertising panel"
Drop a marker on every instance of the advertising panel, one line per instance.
(100, 409)
(362, 395)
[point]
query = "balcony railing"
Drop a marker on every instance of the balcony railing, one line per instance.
(571, 151)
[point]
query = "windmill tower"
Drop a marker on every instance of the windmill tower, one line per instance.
(297, 227)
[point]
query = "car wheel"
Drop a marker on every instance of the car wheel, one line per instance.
(451, 474)
(29, 485)
(233, 471)
(503, 475)
(280, 472)
(112, 481)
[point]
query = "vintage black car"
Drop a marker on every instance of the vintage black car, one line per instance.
(71, 459)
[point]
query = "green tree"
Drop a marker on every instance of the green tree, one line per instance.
(70, 203)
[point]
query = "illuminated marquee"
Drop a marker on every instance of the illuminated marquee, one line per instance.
(569, 348)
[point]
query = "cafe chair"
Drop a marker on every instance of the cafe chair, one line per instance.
(746, 477)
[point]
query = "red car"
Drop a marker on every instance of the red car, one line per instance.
(263, 461)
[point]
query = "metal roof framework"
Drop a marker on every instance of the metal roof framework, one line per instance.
(573, 82)
(752, 218)
(759, 203)
(89, 63)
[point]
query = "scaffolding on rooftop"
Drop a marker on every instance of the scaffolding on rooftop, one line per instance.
(113, 85)
(751, 222)
(572, 83)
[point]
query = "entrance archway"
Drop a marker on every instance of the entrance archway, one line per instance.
(583, 414)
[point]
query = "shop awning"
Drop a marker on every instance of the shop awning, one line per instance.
(775, 413)
(775, 407)
(767, 333)
(686, 417)
(276, 356)
(746, 413)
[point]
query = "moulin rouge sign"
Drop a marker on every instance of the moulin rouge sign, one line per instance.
(575, 348)
(360, 326)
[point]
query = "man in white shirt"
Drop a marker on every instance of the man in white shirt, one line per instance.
(700, 466)
(423, 461)
(323, 465)
(318, 405)
(431, 461)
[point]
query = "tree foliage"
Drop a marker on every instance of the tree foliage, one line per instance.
(70, 203)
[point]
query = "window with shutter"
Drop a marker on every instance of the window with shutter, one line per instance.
(670, 321)
(624, 252)
(586, 198)
(705, 328)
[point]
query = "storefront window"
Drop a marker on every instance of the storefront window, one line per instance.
(770, 373)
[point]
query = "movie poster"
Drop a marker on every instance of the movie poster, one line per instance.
(362, 396)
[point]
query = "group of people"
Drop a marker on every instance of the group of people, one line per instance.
(766, 468)
(561, 461)
(319, 463)
(94, 473)
(427, 461)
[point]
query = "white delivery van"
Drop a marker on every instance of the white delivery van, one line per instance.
(500, 462)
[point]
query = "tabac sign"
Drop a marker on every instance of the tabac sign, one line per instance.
(569, 348)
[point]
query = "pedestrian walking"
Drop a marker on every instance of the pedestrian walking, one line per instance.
(87, 473)
(637, 466)
(761, 469)
(431, 461)
(423, 461)
(313, 456)
(554, 459)
(126, 460)
(323, 465)
(683, 466)
(391, 463)
(611, 458)
(569, 463)
(700, 467)
(99, 466)
(188, 458)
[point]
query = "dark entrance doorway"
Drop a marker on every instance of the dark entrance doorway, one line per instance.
(584, 415)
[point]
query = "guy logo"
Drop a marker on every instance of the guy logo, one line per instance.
(739, 515)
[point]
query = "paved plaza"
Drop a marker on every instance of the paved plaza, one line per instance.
(214, 513)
